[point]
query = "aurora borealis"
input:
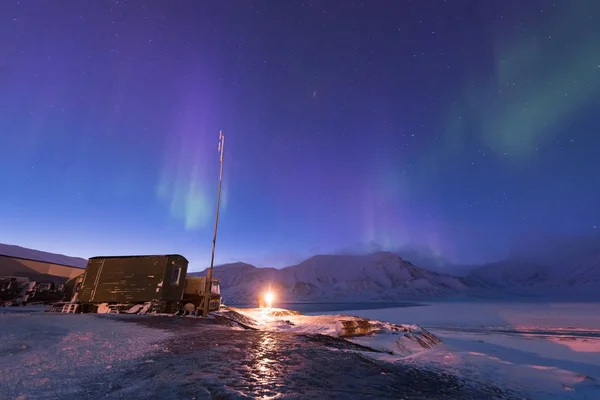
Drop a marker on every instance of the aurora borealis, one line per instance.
(458, 128)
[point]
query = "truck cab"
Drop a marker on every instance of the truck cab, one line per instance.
(194, 294)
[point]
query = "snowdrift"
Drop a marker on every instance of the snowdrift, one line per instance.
(398, 340)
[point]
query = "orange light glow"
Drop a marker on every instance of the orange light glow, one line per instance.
(269, 299)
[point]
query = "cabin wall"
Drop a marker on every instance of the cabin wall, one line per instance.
(124, 280)
(174, 283)
(133, 279)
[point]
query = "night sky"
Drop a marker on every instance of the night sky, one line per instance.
(458, 128)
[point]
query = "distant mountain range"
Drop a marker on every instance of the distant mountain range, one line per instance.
(381, 276)
(37, 255)
(561, 269)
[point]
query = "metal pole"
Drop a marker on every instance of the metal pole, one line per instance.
(209, 274)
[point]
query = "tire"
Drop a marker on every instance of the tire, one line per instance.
(189, 308)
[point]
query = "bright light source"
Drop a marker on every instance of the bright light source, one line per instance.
(269, 299)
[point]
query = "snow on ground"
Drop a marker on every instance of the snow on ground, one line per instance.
(88, 356)
(549, 350)
(41, 354)
(540, 350)
(398, 339)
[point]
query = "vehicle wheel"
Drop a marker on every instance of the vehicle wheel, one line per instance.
(189, 308)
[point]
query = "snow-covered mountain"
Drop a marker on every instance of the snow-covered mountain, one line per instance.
(511, 273)
(559, 268)
(37, 255)
(379, 276)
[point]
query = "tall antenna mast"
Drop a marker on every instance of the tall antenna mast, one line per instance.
(209, 274)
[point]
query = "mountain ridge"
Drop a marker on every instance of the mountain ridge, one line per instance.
(378, 276)
(10, 250)
(566, 271)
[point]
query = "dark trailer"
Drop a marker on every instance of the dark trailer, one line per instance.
(129, 280)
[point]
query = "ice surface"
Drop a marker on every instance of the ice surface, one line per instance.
(542, 351)
(546, 350)
(61, 356)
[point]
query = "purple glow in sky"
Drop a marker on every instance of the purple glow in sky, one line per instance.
(458, 128)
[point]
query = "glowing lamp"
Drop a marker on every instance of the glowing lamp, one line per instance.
(269, 299)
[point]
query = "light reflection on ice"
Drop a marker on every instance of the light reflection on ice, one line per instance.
(578, 345)
(263, 369)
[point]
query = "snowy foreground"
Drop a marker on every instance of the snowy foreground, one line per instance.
(48, 355)
(278, 354)
(488, 351)
(543, 350)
